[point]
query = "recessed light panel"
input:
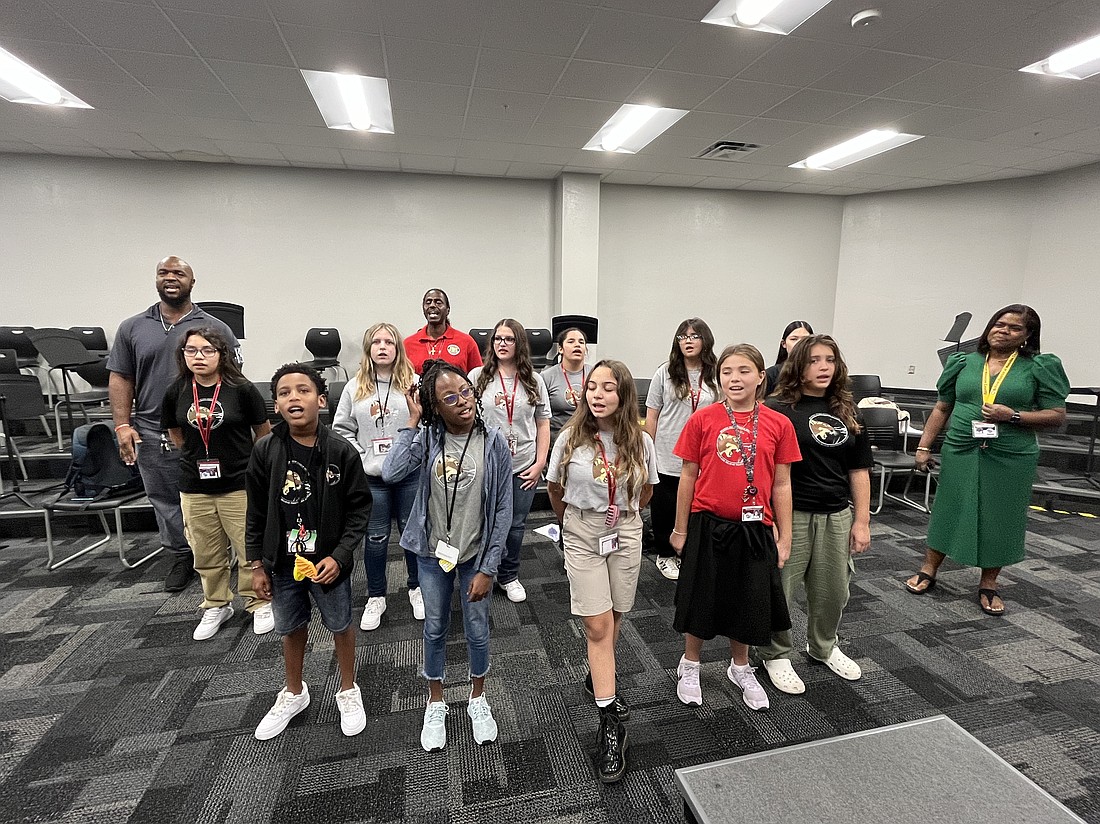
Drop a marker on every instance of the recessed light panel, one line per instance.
(1076, 62)
(351, 102)
(632, 128)
(858, 148)
(22, 83)
(775, 16)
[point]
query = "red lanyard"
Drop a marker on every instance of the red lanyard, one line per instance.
(509, 403)
(569, 386)
(610, 470)
(205, 424)
(696, 394)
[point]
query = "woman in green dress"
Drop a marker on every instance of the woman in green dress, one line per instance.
(992, 401)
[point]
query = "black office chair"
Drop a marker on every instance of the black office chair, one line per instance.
(586, 323)
(335, 390)
(865, 386)
(63, 351)
(642, 386)
(93, 338)
(882, 426)
(20, 399)
(231, 314)
(18, 338)
(9, 365)
(484, 340)
(324, 344)
(543, 348)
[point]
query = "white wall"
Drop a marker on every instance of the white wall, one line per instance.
(297, 248)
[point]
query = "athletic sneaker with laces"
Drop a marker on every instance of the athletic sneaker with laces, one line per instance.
(669, 567)
(353, 720)
(372, 614)
(263, 620)
(433, 736)
(481, 716)
(687, 685)
(783, 677)
(841, 664)
(416, 600)
(211, 622)
(287, 705)
(515, 591)
(751, 692)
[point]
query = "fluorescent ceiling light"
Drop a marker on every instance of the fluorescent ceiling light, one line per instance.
(632, 128)
(21, 83)
(858, 148)
(1077, 62)
(351, 101)
(775, 16)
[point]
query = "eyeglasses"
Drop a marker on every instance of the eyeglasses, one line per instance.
(692, 336)
(506, 340)
(465, 393)
(207, 351)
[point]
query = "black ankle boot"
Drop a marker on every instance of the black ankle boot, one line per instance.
(611, 747)
(620, 706)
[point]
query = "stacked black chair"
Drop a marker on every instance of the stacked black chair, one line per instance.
(324, 344)
(20, 399)
(64, 351)
(865, 386)
(231, 314)
(543, 347)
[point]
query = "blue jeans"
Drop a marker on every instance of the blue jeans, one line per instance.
(388, 500)
(290, 604)
(521, 505)
(437, 587)
(160, 472)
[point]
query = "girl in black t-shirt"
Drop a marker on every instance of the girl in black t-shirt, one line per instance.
(827, 531)
(214, 414)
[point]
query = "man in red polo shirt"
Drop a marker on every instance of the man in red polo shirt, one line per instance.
(438, 340)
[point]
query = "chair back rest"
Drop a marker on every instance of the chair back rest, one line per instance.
(93, 337)
(19, 339)
(323, 342)
(231, 314)
(881, 425)
(61, 348)
(22, 397)
(586, 323)
(483, 338)
(865, 386)
(642, 386)
(335, 390)
(543, 348)
(9, 362)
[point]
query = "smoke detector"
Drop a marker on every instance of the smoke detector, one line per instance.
(866, 18)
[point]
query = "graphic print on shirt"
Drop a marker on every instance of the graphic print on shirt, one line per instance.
(450, 462)
(728, 447)
(572, 396)
(828, 430)
(217, 414)
(453, 349)
(296, 486)
(380, 413)
(600, 470)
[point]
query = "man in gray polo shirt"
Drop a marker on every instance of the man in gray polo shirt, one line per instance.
(142, 364)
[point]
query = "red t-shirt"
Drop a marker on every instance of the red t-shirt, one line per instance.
(454, 347)
(707, 441)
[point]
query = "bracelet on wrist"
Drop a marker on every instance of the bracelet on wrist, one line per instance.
(678, 532)
(923, 449)
(123, 426)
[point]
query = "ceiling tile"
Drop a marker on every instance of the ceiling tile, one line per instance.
(717, 50)
(934, 119)
(168, 71)
(187, 103)
(312, 154)
(552, 134)
(484, 128)
(630, 178)
(676, 90)
(1039, 132)
(599, 81)
(692, 10)
(933, 36)
(427, 163)
(708, 125)
(568, 111)
(430, 125)
(255, 80)
(429, 97)
(874, 113)
(872, 71)
(34, 21)
(232, 38)
(789, 62)
(533, 171)
(335, 50)
(428, 62)
(745, 98)
(636, 40)
(249, 151)
(455, 21)
(336, 15)
(984, 126)
(516, 71)
(471, 166)
(683, 181)
(494, 104)
(537, 27)
(126, 26)
(766, 131)
(68, 62)
(295, 109)
(254, 9)
(364, 159)
(812, 105)
(941, 81)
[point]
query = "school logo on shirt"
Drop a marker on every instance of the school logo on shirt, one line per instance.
(448, 467)
(828, 430)
(296, 485)
(380, 413)
(728, 447)
(572, 397)
(601, 471)
(332, 475)
(217, 414)
(453, 350)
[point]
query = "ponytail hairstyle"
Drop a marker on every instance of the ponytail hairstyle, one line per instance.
(677, 369)
(794, 324)
(583, 429)
(429, 403)
(750, 353)
(788, 388)
(228, 370)
(525, 370)
(403, 374)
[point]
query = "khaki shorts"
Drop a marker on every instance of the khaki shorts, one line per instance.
(597, 582)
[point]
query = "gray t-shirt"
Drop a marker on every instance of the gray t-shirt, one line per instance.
(523, 428)
(564, 395)
(371, 424)
(585, 478)
(674, 413)
(145, 350)
(466, 521)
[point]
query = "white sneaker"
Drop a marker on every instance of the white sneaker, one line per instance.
(687, 685)
(263, 620)
(751, 692)
(287, 705)
(669, 567)
(485, 726)
(416, 599)
(212, 620)
(841, 664)
(783, 677)
(353, 720)
(372, 615)
(515, 591)
(433, 736)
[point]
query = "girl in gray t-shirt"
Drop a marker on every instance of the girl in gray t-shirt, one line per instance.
(565, 380)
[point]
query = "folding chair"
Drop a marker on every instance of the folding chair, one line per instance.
(99, 509)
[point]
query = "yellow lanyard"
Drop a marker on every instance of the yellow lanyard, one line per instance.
(989, 394)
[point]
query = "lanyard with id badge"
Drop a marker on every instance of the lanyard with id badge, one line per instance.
(987, 430)
(300, 540)
(382, 444)
(510, 409)
(609, 541)
(750, 510)
(444, 551)
(210, 469)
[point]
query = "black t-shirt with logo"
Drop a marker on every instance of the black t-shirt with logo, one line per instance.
(829, 450)
(239, 408)
(300, 505)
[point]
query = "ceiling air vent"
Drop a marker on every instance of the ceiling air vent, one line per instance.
(728, 150)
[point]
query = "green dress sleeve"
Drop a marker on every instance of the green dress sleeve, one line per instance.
(945, 386)
(1052, 385)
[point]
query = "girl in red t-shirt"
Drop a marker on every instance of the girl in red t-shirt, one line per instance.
(733, 525)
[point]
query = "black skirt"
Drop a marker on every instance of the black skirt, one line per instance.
(730, 582)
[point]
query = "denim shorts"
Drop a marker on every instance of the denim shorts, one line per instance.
(290, 604)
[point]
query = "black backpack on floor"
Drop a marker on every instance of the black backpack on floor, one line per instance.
(97, 472)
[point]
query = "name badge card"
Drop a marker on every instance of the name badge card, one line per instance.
(984, 429)
(301, 541)
(447, 555)
(380, 446)
(609, 543)
(752, 513)
(210, 469)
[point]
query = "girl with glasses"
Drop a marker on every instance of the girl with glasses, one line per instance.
(457, 530)
(213, 414)
(370, 412)
(515, 401)
(680, 387)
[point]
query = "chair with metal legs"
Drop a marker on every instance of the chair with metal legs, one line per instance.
(99, 509)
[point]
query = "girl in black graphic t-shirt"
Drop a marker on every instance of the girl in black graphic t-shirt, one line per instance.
(214, 414)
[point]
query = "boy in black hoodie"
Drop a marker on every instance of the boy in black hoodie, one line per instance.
(307, 498)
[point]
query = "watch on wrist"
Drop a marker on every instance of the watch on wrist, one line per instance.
(1015, 418)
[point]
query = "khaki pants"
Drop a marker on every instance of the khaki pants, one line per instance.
(211, 523)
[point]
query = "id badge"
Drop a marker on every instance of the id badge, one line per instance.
(612, 516)
(609, 543)
(380, 446)
(301, 541)
(210, 469)
(984, 429)
(447, 555)
(513, 443)
(752, 513)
